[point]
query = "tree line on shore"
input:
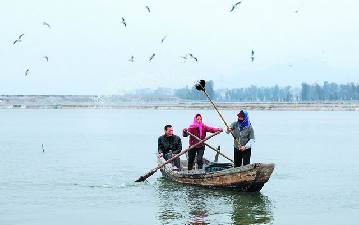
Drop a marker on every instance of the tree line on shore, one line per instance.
(328, 91)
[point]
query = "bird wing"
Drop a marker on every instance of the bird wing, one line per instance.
(148, 8)
(46, 24)
(21, 36)
(235, 6)
(237, 3)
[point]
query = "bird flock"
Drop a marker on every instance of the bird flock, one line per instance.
(185, 58)
(19, 39)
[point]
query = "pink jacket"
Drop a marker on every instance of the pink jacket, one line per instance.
(195, 131)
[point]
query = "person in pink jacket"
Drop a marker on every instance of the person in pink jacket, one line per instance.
(199, 129)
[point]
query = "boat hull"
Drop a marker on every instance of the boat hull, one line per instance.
(249, 178)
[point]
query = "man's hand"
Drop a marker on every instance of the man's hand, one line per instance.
(229, 130)
(242, 148)
(160, 155)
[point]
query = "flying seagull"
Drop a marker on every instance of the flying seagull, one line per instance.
(132, 59)
(252, 55)
(184, 58)
(46, 24)
(42, 146)
(235, 6)
(27, 72)
(152, 56)
(148, 8)
(163, 39)
(192, 56)
(46, 57)
(17, 40)
(124, 22)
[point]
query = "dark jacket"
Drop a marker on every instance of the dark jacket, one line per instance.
(165, 144)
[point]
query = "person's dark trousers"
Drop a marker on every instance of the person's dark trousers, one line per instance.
(176, 162)
(192, 155)
(244, 156)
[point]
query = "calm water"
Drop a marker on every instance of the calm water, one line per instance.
(92, 157)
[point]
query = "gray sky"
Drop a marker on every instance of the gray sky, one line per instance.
(89, 48)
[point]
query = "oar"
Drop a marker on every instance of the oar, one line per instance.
(151, 172)
(200, 85)
(218, 152)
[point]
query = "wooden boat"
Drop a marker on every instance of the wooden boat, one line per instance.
(249, 178)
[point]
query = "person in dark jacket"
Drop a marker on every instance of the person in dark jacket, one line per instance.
(243, 130)
(199, 129)
(170, 145)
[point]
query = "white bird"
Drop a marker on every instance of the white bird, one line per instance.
(46, 57)
(124, 22)
(17, 40)
(27, 72)
(193, 57)
(184, 58)
(46, 24)
(163, 39)
(235, 6)
(42, 146)
(132, 59)
(252, 55)
(152, 56)
(148, 8)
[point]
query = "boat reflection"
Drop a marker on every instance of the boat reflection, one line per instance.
(181, 204)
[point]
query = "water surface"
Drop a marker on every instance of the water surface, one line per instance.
(92, 157)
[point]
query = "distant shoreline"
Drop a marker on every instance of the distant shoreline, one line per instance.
(270, 106)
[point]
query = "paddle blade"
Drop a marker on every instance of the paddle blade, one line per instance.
(200, 85)
(144, 177)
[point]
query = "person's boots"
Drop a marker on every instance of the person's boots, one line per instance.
(190, 166)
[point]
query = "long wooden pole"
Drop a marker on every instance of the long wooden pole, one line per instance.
(215, 107)
(154, 170)
(197, 138)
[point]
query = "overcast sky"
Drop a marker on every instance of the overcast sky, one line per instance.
(89, 48)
